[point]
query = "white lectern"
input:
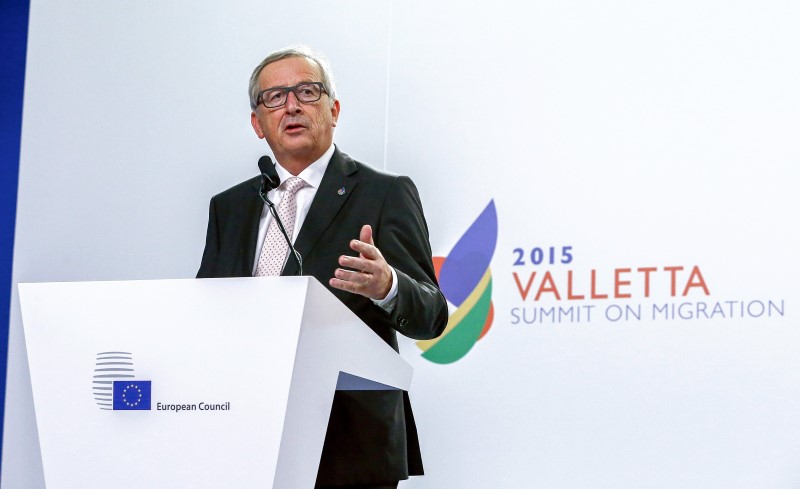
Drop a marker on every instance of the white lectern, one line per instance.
(193, 383)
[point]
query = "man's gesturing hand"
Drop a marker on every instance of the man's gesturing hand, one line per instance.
(369, 274)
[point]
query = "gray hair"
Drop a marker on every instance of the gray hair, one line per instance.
(296, 51)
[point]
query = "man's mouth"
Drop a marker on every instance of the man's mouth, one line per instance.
(293, 127)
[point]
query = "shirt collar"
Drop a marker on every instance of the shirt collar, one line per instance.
(313, 173)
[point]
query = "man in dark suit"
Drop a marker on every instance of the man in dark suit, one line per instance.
(359, 231)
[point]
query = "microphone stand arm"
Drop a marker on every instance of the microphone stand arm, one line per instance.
(297, 258)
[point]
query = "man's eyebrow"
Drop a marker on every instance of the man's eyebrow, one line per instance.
(288, 86)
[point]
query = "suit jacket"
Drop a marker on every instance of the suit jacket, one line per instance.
(371, 435)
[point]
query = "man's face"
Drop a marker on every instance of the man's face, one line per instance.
(298, 133)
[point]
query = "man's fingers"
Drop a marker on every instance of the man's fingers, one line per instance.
(354, 277)
(343, 285)
(362, 264)
(366, 249)
(351, 281)
(366, 274)
(366, 234)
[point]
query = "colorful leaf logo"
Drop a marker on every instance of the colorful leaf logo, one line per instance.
(466, 281)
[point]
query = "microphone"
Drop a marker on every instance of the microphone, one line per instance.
(269, 181)
(269, 177)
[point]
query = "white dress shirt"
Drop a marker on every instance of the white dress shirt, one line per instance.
(312, 175)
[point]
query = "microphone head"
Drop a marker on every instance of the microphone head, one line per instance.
(269, 177)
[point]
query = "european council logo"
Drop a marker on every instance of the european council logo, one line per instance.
(466, 282)
(113, 383)
(132, 395)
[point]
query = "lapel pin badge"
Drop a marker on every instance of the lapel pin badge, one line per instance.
(340, 191)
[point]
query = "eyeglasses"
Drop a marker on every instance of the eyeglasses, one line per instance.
(305, 92)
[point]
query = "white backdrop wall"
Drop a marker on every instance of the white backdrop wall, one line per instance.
(639, 135)
(642, 135)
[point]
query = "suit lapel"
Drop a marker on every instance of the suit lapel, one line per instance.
(252, 215)
(327, 203)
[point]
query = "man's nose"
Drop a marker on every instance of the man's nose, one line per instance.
(292, 104)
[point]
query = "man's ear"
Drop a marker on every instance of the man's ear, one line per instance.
(335, 111)
(256, 125)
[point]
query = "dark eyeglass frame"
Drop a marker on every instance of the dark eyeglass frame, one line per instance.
(260, 100)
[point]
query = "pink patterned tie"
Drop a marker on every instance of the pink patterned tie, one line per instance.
(275, 249)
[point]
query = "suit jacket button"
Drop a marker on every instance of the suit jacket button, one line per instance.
(402, 321)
